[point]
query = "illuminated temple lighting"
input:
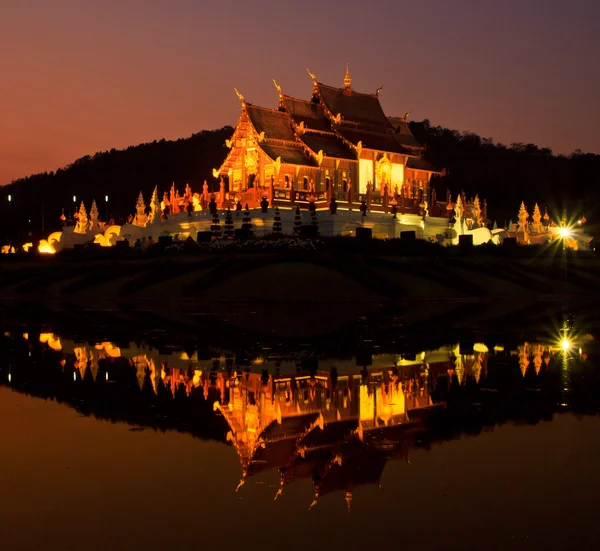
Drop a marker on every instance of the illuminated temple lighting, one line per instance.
(480, 347)
(565, 345)
(564, 232)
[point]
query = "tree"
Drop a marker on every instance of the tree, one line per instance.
(215, 227)
(229, 231)
(277, 229)
(297, 221)
(314, 221)
(246, 223)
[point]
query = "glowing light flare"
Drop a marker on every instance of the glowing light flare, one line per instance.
(565, 345)
(564, 232)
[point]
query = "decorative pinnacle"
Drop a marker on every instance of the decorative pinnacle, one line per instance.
(312, 75)
(277, 87)
(239, 95)
(347, 79)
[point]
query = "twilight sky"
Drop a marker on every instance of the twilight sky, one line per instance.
(80, 76)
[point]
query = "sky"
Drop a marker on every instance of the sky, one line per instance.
(81, 76)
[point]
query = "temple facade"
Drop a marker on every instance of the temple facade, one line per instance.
(338, 144)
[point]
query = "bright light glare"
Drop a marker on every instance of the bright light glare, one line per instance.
(565, 345)
(564, 232)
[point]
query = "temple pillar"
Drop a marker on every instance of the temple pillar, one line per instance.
(244, 185)
(319, 181)
(222, 191)
(374, 178)
(385, 198)
(261, 169)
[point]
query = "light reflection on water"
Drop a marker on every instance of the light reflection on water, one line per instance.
(320, 435)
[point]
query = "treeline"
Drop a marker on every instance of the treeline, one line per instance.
(504, 175)
(37, 200)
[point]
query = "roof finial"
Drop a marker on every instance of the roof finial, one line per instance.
(239, 95)
(312, 75)
(347, 79)
(277, 87)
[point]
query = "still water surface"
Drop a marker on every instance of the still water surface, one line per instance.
(115, 445)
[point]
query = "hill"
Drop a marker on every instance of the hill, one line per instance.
(504, 175)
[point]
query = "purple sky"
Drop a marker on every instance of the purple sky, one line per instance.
(80, 76)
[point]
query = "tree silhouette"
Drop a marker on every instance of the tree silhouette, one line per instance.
(297, 221)
(246, 223)
(215, 227)
(229, 231)
(277, 229)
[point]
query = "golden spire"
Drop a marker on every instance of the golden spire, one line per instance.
(312, 75)
(347, 79)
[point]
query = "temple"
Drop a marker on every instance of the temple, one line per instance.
(339, 144)
(331, 165)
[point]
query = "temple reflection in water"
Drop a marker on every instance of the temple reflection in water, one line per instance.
(334, 421)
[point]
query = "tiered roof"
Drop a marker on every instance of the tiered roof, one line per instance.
(336, 123)
(360, 109)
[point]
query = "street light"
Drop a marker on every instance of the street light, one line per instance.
(106, 201)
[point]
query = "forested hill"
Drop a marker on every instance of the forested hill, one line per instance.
(507, 175)
(118, 174)
(504, 175)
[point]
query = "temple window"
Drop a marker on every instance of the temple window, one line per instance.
(251, 179)
(327, 183)
(305, 183)
(287, 180)
(345, 185)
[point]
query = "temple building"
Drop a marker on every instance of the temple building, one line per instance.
(334, 164)
(339, 144)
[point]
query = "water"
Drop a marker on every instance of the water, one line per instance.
(110, 443)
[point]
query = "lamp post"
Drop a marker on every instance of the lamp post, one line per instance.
(106, 213)
(9, 205)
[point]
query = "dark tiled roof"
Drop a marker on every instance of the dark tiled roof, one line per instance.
(308, 112)
(275, 124)
(272, 456)
(421, 164)
(363, 467)
(371, 140)
(289, 155)
(331, 145)
(331, 434)
(359, 108)
(403, 133)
